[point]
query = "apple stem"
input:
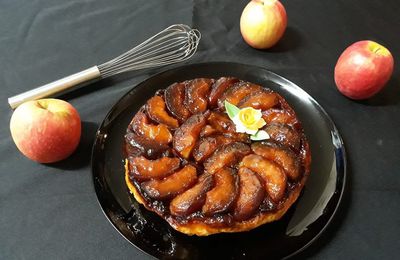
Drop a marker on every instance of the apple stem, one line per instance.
(41, 105)
(377, 50)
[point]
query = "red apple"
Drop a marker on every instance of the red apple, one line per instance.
(46, 130)
(263, 23)
(363, 69)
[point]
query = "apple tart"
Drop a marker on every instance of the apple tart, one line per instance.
(187, 161)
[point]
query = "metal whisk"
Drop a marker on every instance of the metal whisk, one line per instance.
(174, 44)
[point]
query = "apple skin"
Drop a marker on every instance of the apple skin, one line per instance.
(263, 23)
(46, 130)
(363, 69)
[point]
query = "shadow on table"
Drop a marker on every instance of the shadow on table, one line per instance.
(81, 157)
(389, 95)
(336, 224)
(292, 39)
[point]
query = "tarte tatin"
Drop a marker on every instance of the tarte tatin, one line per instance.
(186, 162)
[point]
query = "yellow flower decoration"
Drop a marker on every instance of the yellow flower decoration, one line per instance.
(247, 120)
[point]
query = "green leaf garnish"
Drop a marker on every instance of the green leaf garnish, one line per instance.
(231, 109)
(260, 135)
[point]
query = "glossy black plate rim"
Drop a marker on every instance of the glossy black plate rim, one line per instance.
(109, 210)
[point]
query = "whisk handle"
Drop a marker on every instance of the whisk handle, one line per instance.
(55, 86)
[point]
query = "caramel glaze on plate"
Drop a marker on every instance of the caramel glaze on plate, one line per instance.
(185, 161)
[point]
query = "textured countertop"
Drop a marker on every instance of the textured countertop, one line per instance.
(51, 211)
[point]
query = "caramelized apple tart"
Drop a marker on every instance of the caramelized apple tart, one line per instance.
(186, 161)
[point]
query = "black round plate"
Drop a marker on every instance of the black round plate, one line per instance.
(299, 227)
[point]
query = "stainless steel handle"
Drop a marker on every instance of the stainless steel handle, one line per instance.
(55, 86)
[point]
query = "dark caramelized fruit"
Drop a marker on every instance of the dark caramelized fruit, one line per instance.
(222, 196)
(274, 115)
(284, 157)
(174, 99)
(196, 95)
(171, 185)
(237, 93)
(284, 134)
(206, 146)
(186, 135)
(156, 110)
(221, 122)
(273, 176)
(140, 145)
(251, 194)
(186, 162)
(193, 199)
(218, 88)
(207, 131)
(142, 127)
(144, 169)
(260, 100)
(226, 156)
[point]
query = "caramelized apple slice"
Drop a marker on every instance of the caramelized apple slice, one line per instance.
(172, 185)
(251, 194)
(282, 156)
(224, 193)
(260, 100)
(221, 122)
(206, 146)
(196, 95)
(155, 109)
(239, 137)
(238, 92)
(284, 134)
(193, 199)
(207, 131)
(131, 151)
(141, 126)
(274, 115)
(226, 156)
(144, 169)
(174, 99)
(143, 146)
(218, 88)
(185, 137)
(273, 175)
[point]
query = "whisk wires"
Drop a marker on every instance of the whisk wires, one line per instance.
(174, 44)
